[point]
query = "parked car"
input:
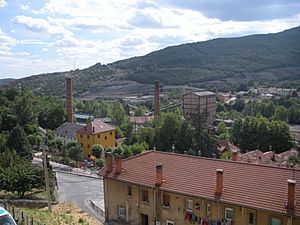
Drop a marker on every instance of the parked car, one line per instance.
(6, 218)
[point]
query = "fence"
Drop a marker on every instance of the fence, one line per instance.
(100, 212)
(20, 216)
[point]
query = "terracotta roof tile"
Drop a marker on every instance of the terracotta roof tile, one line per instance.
(251, 185)
(97, 126)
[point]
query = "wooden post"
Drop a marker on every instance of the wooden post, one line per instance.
(13, 211)
(22, 215)
(47, 180)
(31, 221)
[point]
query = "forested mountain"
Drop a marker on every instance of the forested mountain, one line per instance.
(272, 59)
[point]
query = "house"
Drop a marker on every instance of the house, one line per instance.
(165, 188)
(139, 121)
(67, 131)
(95, 132)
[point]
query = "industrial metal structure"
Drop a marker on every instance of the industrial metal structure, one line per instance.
(200, 107)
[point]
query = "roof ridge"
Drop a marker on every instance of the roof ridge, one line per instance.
(226, 161)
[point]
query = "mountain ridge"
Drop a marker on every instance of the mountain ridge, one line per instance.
(220, 63)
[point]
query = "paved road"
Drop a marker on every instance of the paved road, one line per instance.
(78, 189)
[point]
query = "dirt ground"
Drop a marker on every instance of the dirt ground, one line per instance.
(77, 214)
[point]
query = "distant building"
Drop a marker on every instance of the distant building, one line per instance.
(200, 106)
(139, 121)
(67, 131)
(95, 132)
(83, 118)
(163, 188)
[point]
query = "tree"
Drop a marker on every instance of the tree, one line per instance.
(97, 150)
(100, 162)
(167, 134)
(18, 141)
(18, 175)
(25, 108)
(281, 113)
(118, 114)
(75, 151)
(184, 137)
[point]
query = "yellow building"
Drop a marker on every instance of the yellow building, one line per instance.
(96, 132)
(161, 188)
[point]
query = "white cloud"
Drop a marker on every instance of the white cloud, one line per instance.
(40, 25)
(6, 40)
(3, 3)
(25, 6)
(45, 49)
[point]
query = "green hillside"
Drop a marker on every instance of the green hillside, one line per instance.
(221, 63)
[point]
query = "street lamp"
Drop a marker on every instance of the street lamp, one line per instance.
(173, 148)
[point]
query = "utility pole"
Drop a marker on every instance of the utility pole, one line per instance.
(47, 180)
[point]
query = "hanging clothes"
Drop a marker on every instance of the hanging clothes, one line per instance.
(188, 216)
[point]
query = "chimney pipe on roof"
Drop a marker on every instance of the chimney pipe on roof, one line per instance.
(69, 100)
(156, 98)
(219, 182)
(291, 194)
(185, 152)
(234, 155)
(109, 162)
(118, 164)
(159, 174)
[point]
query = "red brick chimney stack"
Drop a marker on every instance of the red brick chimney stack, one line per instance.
(219, 183)
(234, 155)
(118, 164)
(159, 174)
(109, 162)
(156, 98)
(291, 194)
(69, 100)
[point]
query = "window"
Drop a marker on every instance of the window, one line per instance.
(98, 135)
(189, 205)
(166, 200)
(228, 214)
(66, 131)
(105, 138)
(169, 222)
(80, 135)
(208, 209)
(250, 218)
(121, 212)
(110, 133)
(88, 146)
(275, 221)
(129, 191)
(88, 136)
(145, 196)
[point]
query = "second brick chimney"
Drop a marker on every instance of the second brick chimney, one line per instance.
(291, 194)
(118, 164)
(234, 155)
(219, 181)
(109, 162)
(159, 174)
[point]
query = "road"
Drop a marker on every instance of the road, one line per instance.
(78, 189)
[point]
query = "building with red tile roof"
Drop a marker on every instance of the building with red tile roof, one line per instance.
(95, 132)
(166, 188)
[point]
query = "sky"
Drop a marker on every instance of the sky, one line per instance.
(41, 36)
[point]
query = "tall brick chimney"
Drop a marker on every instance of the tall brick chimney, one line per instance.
(219, 182)
(118, 164)
(159, 174)
(109, 162)
(69, 100)
(234, 155)
(156, 98)
(291, 194)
